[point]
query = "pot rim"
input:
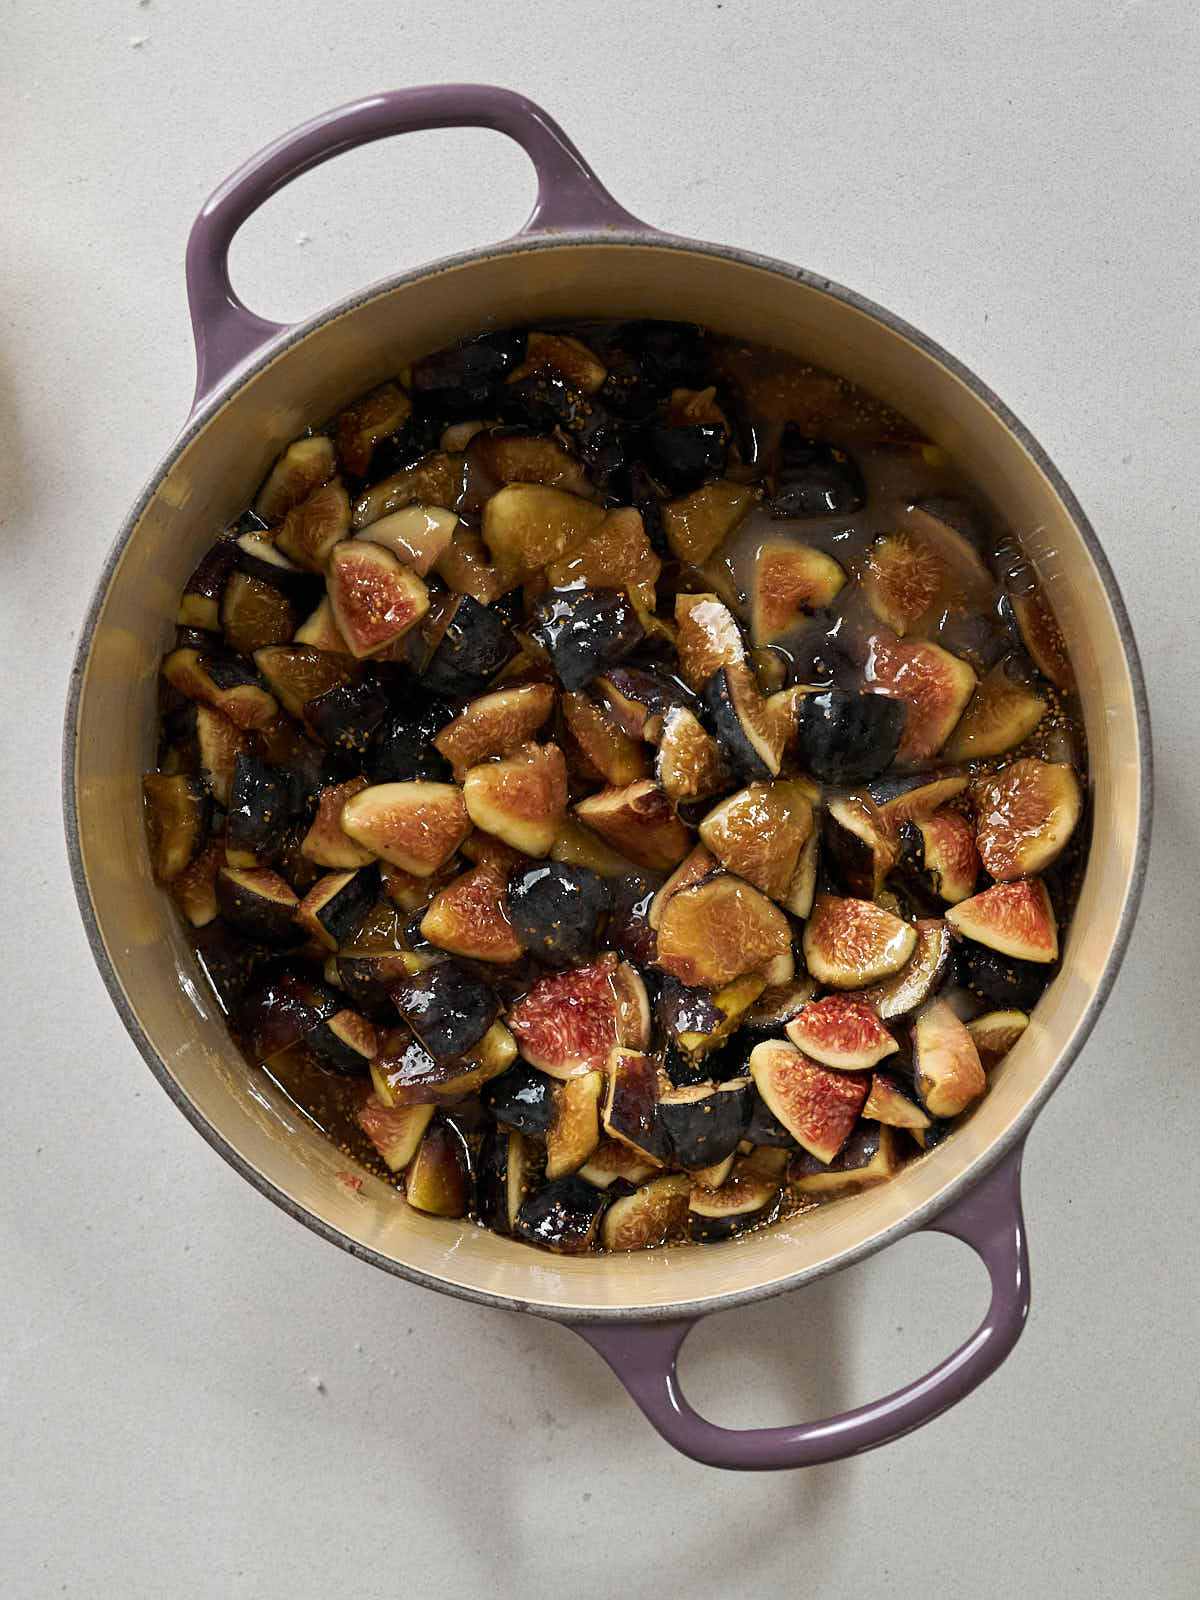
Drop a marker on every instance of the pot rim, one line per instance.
(962, 1182)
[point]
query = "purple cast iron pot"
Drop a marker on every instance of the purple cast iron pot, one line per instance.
(259, 384)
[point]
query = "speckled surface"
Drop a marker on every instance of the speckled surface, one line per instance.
(197, 1397)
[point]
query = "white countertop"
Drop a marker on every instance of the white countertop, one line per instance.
(198, 1398)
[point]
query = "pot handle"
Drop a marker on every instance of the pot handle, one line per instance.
(569, 196)
(644, 1355)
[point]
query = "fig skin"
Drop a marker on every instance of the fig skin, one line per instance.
(586, 632)
(851, 943)
(1001, 981)
(845, 738)
(556, 910)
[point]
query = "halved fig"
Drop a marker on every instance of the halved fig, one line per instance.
(858, 840)
(712, 933)
(946, 1065)
(224, 684)
(336, 904)
(618, 759)
(639, 821)
(752, 737)
(995, 1033)
(438, 1180)
(697, 865)
(522, 1098)
(255, 614)
(177, 811)
(639, 700)
(569, 1021)
(194, 890)
(1015, 919)
(526, 525)
(790, 581)
(699, 523)
(470, 916)
(747, 1199)
(803, 887)
(1025, 816)
(375, 600)
(418, 536)
(708, 638)
(1004, 710)
(630, 1109)
(704, 1122)
(556, 910)
(922, 975)
(563, 1216)
(868, 1156)
(260, 904)
(344, 1044)
(362, 425)
(586, 631)
(510, 455)
(494, 725)
(841, 1031)
(947, 857)
(615, 554)
(310, 530)
(689, 765)
(520, 798)
(577, 846)
(814, 478)
(933, 684)
(889, 1102)
(505, 1177)
(325, 843)
(1040, 632)
(319, 632)
(615, 1164)
(395, 1131)
(848, 738)
(447, 1006)
(817, 1106)
(850, 943)
(434, 480)
(654, 1214)
(200, 603)
(416, 826)
(575, 1131)
(302, 467)
(758, 834)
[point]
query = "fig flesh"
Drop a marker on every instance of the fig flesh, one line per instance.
(758, 834)
(869, 1156)
(637, 820)
(841, 1031)
(1025, 816)
(575, 1131)
(850, 943)
(375, 600)
(712, 933)
(1004, 710)
(568, 1022)
(818, 1106)
(934, 685)
(995, 1033)
(470, 916)
(1016, 919)
(494, 725)
(946, 1065)
(519, 798)
(416, 826)
(707, 638)
(790, 582)
(395, 1131)
(652, 1215)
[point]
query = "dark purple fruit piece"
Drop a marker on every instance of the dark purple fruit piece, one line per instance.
(260, 808)
(629, 931)
(461, 380)
(1002, 981)
(368, 980)
(630, 1111)
(848, 738)
(556, 909)
(200, 605)
(346, 716)
(763, 1127)
(278, 1014)
(646, 497)
(177, 813)
(260, 904)
(742, 723)
(522, 1098)
(586, 631)
(336, 904)
(705, 1123)
(447, 1006)
(476, 643)
(505, 1177)
(438, 1180)
(343, 1044)
(688, 456)
(815, 479)
(401, 749)
(671, 355)
(228, 961)
(868, 1156)
(563, 1216)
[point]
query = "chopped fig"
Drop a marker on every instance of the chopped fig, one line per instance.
(255, 556)
(200, 603)
(751, 736)
(851, 943)
(344, 1043)
(803, 887)
(320, 633)
(586, 631)
(402, 748)
(1015, 919)
(336, 904)
(995, 1033)
(558, 352)
(194, 890)
(698, 524)
(261, 803)
(933, 684)
(814, 478)
(520, 798)
(563, 1216)
(1025, 816)
(447, 1007)
(616, 554)
(748, 1198)
(527, 525)
(494, 725)
(405, 1073)
(510, 455)
(775, 1007)
(858, 840)
(921, 977)
(637, 820)
(255, 614)
(615, 1164)
(177, 811)
(522, 1098)
(946, 1066)
(629, 931)
(639, 701)
(416, 826)
(1004, 711)
(944, 853)
(461, 380)
(395, 1131)
(817, 1106)
(556, 910)
(913, 799)
(224, 684)
(375, 600)
(403, 889)
(438, 1180)
(302, 467)
(683, 455)
(274, 1016)
(610, 751)
(260, 904)
(902, 577)
(689, 765)
(218, 745)
(473, 645)
(714, 1176)
(362, 425)
(1040, 633)
(300, 673)
(841, 1031)
(758, 834)
(708, 638)
(569, 1021)
(889, 1103)
(310, 530)
(712, 933)
(575, 1132)
(652, 1215)
(704, 1122)
(791, 581)
(367, 979)
(868, 1156)
(418, 536)
(506, 1165)
(630, 1111)
(848, 738)
(345, 717)
(577, 846)
(470, 916)
(325, 843)
(697, 865)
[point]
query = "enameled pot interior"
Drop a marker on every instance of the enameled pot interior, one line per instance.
(171, 1012)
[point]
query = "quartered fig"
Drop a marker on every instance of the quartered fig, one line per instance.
(255, 615)
(748, 1199)
(177, 811)
(712, 933)
(343, 1044)
(395, 1131)
(475, 643)
(705, 1122)
(402, 748)
(818, 1107)
(921, 976)
(814, 479)
(563, 1216)
(430, 478)
(616, 554)
(640, 822)
(260, 904)
(345, 717)
(302, 467)
(1015, 919)
(494, 725)
(578, 846)
(605, 746)
(438, 1180)
(946, 1065)
(629, 931)
(689, 765)
(520, 798)
(995, 1033)
(915, 797)
(848, 738)
(1004, 710)
(404, 1072)
(1040, 632)
(751, 735)
(890, 1103)
(310, 530)
(707, 638)
(697, 865)
(850, 943)
(1025, 815)
(300, 673)
(556, 910)
(934, 685)
(194, 890)
(759, 832)
(505, 1178)
(223, 683)
(447, 1007)
(615, 1167)
(361, 426)
(274, 1015)
(470, 916)
(512, 455)
(586, 631)
(638, 700)
(697, 1020)
(859, 844)
(568, 1022)
(941, 850)
(699, 523)
(790, 582)
(375, 600)
(803, 888)
(521, 1098)
(630, 1110)
(418, 536)
(416, 826)
(841, 1031)
(200, 603)
(526, 525)
(654, 1214)
(575, 1131)
(336, 904)
(868, 1156)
